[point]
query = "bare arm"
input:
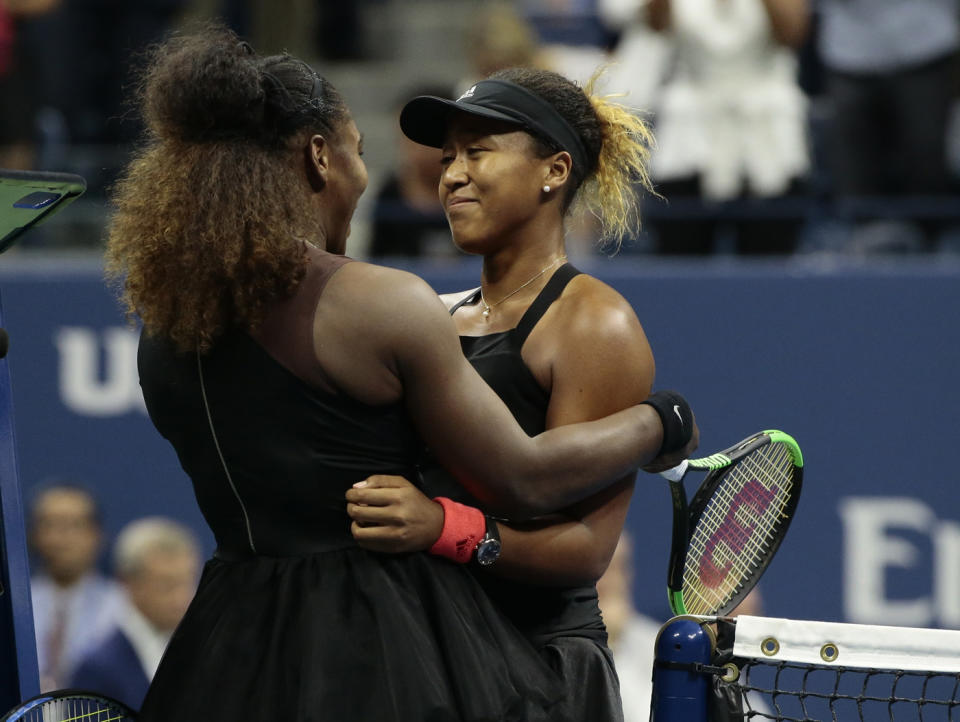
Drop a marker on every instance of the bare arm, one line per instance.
(467, 426)
(790, 20)
(392, 515)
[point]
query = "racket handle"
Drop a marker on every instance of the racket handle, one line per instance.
(676, 473)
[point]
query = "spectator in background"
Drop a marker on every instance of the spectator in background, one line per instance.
(408, 219)
(85, 54)
(574, 40)
(497, 38)
(731, 119)
(157, 561)
(342, 31)
(891, 78)
(631, 635)
(640, 59)
(18, 102)
(74, 606)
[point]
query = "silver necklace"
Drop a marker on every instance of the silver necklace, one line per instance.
(487, 307)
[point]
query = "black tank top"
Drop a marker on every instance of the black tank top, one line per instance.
(269, 455)
(542, 613)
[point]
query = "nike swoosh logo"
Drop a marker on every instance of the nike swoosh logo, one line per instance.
(676, 410)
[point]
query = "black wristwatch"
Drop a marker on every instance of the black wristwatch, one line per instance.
(488, 550)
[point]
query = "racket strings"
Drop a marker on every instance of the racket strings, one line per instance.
(74, 710)
(733, 536)
(737, 528)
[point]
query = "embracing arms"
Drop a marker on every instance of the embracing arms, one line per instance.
(595, 359)
(417, 358)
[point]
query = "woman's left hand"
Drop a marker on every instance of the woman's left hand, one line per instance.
(392, 515)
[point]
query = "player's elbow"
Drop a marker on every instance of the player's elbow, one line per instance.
(514, 501)
(595, 567)
(514, 496)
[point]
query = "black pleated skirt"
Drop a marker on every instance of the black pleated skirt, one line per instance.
(348, 635)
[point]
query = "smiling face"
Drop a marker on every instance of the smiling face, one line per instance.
(345, 182)
(491, 184)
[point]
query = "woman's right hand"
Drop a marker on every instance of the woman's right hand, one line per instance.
(392, 515)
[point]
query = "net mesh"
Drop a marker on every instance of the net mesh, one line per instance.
(794, 692)
(798, 671)
(737, 527)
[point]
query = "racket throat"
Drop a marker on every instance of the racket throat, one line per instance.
(676, 601)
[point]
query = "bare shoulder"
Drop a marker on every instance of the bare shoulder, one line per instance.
(592, 310)
(593, 352)
(369, 285)
(391, 309)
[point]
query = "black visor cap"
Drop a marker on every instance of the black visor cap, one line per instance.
(426, 118)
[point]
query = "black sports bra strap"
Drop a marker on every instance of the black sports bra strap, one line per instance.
(550, 293)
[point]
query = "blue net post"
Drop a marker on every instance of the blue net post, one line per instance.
(19, 679)
(681, 694)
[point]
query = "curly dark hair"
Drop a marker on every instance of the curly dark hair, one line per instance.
(617, 142)
(210, 222)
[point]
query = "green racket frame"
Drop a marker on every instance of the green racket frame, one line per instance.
(686, 518)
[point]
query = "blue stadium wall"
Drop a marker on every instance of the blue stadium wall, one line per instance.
(858, 362)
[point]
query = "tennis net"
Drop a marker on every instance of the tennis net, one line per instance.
(760, 668)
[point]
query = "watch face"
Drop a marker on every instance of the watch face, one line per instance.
(487, 552)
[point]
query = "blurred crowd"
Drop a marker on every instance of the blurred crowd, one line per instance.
(97, 631)
(782, 126)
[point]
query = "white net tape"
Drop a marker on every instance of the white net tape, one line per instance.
(848, 645)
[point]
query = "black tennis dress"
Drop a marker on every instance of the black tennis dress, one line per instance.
(563, 623)
(292, 621)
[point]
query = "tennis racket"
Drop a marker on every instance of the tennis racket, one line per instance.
(724, 540)
(70, 705)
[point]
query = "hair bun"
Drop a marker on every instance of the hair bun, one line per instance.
(204, 87)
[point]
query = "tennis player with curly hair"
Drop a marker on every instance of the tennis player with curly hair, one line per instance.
(282, 372)
(520, 150)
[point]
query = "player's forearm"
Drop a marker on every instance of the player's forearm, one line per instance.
(549, 552)
(577, 461)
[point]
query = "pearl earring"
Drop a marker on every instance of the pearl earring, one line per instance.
(546, 189)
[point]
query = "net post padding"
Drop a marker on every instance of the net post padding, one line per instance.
(848, 645)
(680, 691)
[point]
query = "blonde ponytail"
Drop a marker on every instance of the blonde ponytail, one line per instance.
(612, 192)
